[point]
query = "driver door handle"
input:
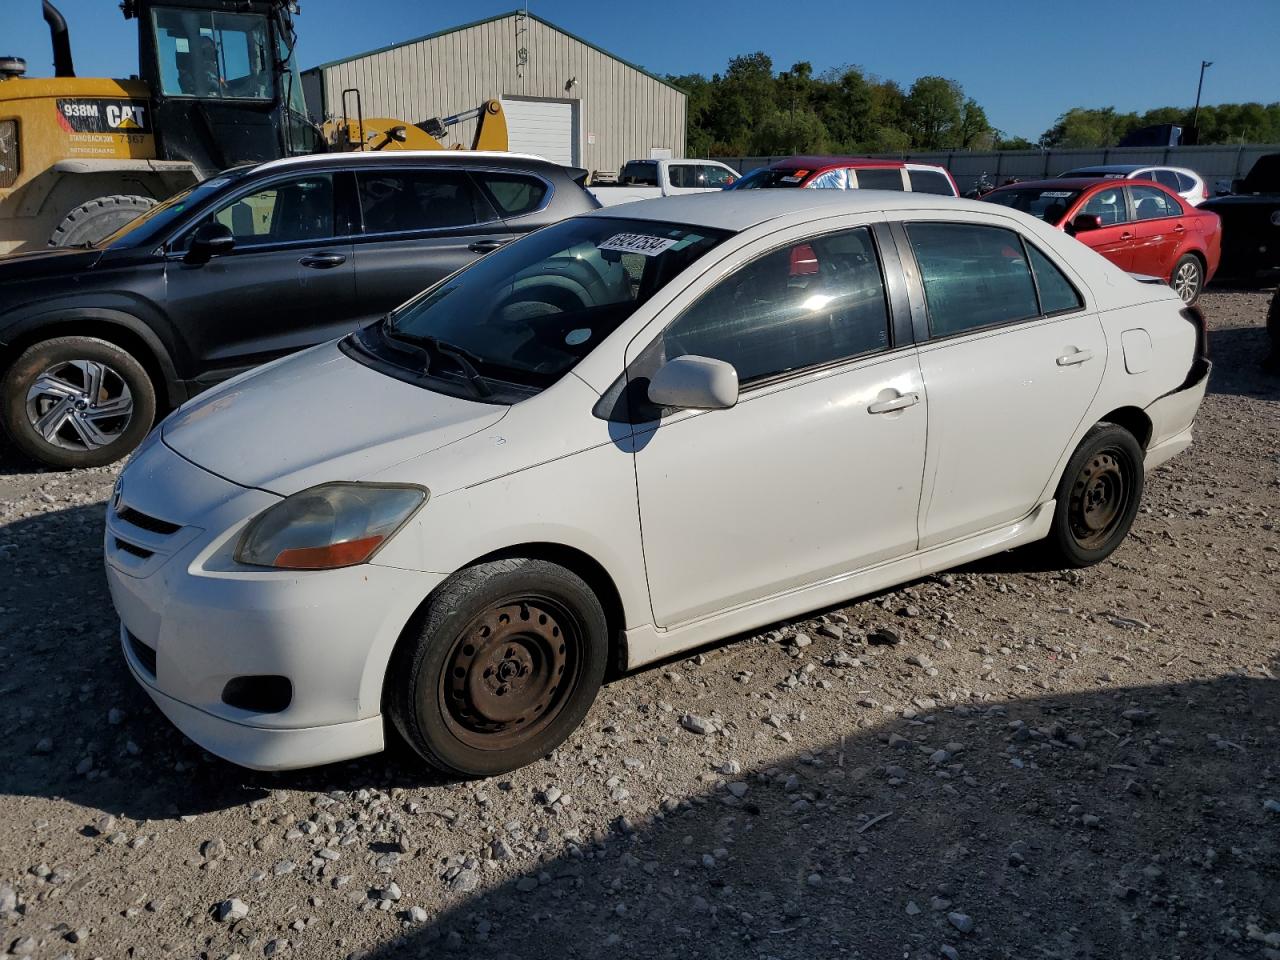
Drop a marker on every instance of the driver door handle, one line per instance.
(897, 403)
(486, 246)
(323, 261)
(1080, 356)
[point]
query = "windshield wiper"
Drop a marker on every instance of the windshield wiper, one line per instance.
(463, 358)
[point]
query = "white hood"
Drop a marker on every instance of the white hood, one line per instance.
(314, 417)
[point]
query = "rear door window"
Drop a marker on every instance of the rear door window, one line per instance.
(402, 201)
(513, 194)
(974, 276)
(880, 178)
(801, 305)
(930, 181)
(683, 175)
(1152, 204)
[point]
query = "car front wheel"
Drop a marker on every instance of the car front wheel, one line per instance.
(1188, 278)
(76, 402)
(1097, 498)
(505, 664)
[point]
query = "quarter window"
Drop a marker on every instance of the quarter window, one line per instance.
(1152, 204)
(974, 276)
(802, 305)
(1108, 205)
(1057, 295)
(282, 213)
(400, 201)
(513, 194)
(1166, 178)
(930, 181)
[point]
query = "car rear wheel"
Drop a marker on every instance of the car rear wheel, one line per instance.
(76, 402)
(1187, 278)
(505, 664)
(1097, 498)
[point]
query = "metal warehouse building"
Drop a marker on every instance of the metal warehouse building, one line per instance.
(565, 98)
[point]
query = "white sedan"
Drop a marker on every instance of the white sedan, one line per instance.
(621, 437)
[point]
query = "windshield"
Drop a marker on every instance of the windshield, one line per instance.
(528, 312)
(1044, 202)
(213, 55)
(153, 226)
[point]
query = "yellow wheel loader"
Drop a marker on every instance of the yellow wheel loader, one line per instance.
(217, 87)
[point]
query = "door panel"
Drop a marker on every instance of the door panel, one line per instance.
(419, 226)
(791, 486)
(287, 284)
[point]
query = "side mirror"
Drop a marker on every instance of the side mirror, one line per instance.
(1085, 222)
(210, 240)
(694, 383)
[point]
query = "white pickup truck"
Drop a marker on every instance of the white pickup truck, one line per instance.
(646, 179)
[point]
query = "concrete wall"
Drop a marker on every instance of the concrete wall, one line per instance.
(623, 112)
(1213, 163)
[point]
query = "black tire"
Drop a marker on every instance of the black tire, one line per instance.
(448, 677)
(68, 359)
(1097, 498)
(90, 222)
(1187, 278)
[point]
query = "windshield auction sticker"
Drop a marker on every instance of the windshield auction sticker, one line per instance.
(1056, 194)
(640, 243)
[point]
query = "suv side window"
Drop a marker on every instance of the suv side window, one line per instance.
(974, 276)
(802, 305)
(1152, 204)
(930, 181)
(284, 212)
(513, 194)
(879, 178)
(1166, 178)
(400, 201)
(1108, 205)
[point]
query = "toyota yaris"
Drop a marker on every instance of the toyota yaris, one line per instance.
(622, 436)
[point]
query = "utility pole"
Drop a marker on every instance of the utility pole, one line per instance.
(1195, 116)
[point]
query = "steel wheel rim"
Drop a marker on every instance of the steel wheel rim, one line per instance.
(510, 672)
(79, 405)
(1100, 498)
(1187, 281)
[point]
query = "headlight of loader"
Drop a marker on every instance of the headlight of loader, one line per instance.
(331, 525)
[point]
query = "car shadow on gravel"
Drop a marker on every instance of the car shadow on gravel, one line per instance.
(1237, 354)
(1125, 822)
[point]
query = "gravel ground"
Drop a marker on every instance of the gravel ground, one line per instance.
(1001, 761)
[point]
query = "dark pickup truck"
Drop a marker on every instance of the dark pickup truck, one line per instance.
(1251, 221)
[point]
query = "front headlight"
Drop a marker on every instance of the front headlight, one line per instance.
(331, 525)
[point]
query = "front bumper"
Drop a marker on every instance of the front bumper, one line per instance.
(204, 619)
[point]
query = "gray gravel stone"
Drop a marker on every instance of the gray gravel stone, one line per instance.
(232, 910)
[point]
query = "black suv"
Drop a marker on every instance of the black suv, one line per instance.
(252, 264)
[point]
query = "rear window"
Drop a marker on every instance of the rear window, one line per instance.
(879, 178)
(930, 181)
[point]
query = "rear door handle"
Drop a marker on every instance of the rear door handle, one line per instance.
(485, 246)
(897, 403)
(1080, 356)
(1179, 227)
(323, 261)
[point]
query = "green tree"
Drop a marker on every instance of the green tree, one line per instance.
(934, 108)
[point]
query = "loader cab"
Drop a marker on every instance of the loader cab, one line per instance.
(225, 89)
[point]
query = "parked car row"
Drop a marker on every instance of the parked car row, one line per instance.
(580, 450)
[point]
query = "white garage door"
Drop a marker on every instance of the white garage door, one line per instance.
(542, 127)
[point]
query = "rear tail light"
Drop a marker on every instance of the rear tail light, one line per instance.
(1204, 191)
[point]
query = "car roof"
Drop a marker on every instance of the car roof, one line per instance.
(1066, 183)
(392, 156)
(1114, 168)
(829, 163)
(739, 210)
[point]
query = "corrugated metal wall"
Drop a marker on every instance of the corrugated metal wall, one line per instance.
(624, 111)
(1213, 163)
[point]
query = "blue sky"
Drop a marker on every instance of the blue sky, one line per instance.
(1025, 68)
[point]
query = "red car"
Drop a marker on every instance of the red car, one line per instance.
(1139, 226)
(850, 173)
